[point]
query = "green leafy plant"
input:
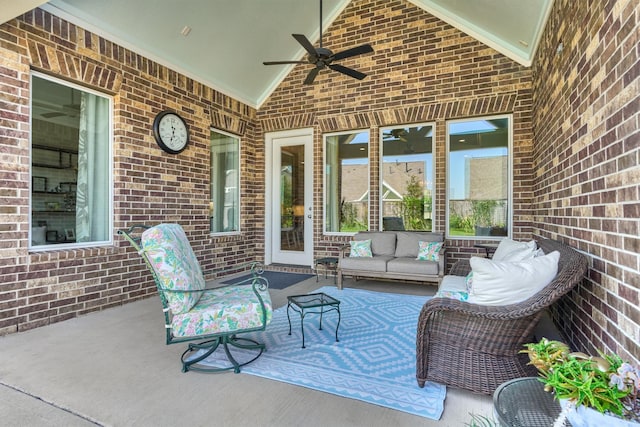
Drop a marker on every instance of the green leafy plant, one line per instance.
(350, 218)
(546, 353)
(460, 225)
(413, 206)
(482, 212)
(604, 383)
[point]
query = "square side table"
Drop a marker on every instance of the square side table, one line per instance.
(318, 303)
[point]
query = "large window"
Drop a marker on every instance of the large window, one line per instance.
(407, 177)
(346, 182)
(71, 196)
(479, 174)
(224, 208)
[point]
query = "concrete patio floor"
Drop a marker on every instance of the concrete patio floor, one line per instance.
(112, 368)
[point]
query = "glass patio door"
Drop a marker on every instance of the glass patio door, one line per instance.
(292, 219)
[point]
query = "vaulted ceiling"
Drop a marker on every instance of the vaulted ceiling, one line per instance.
(228, 40)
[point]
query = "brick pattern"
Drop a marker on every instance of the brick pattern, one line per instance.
(577, 183)
(150, 186)
(422, 70)
(586, 162)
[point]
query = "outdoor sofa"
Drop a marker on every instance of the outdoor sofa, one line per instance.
(395, 255)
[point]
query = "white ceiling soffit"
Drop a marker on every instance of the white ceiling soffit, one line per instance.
(9, 9)
(512, 27)
(227, 43)
(229, 39)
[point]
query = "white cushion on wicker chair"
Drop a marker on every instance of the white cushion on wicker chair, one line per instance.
(503, 283)
(511, 250)
(454, 287)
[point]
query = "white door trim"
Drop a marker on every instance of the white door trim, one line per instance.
(270, 138)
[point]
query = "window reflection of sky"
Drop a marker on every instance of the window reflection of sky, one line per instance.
(463, 128)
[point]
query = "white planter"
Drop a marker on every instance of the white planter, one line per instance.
(588, 417)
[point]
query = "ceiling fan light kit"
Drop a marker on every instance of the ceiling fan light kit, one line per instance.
(322, 57)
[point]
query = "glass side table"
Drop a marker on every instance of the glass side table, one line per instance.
(318, 303)
(328, 264)
(524, 403)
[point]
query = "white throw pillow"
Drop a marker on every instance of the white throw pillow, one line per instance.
(503, 283)
(510, 250)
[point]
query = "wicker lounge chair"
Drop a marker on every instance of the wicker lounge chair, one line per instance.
(215, 316)
(476, 347)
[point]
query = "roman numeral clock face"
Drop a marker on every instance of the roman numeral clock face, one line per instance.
(171, 132)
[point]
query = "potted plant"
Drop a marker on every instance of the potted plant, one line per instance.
(594, 391)
(482, 212)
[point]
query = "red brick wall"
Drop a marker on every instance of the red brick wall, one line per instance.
(585, 158)
(150, 186)
(422, 70)
(578, 182)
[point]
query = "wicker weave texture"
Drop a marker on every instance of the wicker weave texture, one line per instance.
(476, 347)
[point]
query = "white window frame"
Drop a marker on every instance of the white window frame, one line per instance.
(509, 117)
(433, 167)
(110, 208)
(238, 216)
(324, 181)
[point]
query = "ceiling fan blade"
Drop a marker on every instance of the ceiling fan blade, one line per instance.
(52, 115)
(283, 62)
(358, 50)
(311, 76)
(348, 71)
(306, 44)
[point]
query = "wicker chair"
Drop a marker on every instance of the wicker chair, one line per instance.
(476, 347)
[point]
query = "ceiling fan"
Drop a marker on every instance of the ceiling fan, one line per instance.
(322, 57)
(56, 110)
(413, 137)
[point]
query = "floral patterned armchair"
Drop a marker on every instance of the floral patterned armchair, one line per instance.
(213, 316)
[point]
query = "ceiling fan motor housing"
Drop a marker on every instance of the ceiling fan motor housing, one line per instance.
(322, 57)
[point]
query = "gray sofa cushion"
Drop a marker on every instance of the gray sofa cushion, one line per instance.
(407, 245)
(412, 266)
(382, 242)
(377, 263)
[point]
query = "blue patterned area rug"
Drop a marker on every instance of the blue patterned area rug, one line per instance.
(374, 361)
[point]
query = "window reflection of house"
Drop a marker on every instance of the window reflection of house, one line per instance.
(347, 182)
(479, 151)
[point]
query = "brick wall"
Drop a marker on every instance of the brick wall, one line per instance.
(422, 70)
(150, 186)
(586, 163)
(580, 176)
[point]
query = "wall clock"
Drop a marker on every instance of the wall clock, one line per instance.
(171, 132)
